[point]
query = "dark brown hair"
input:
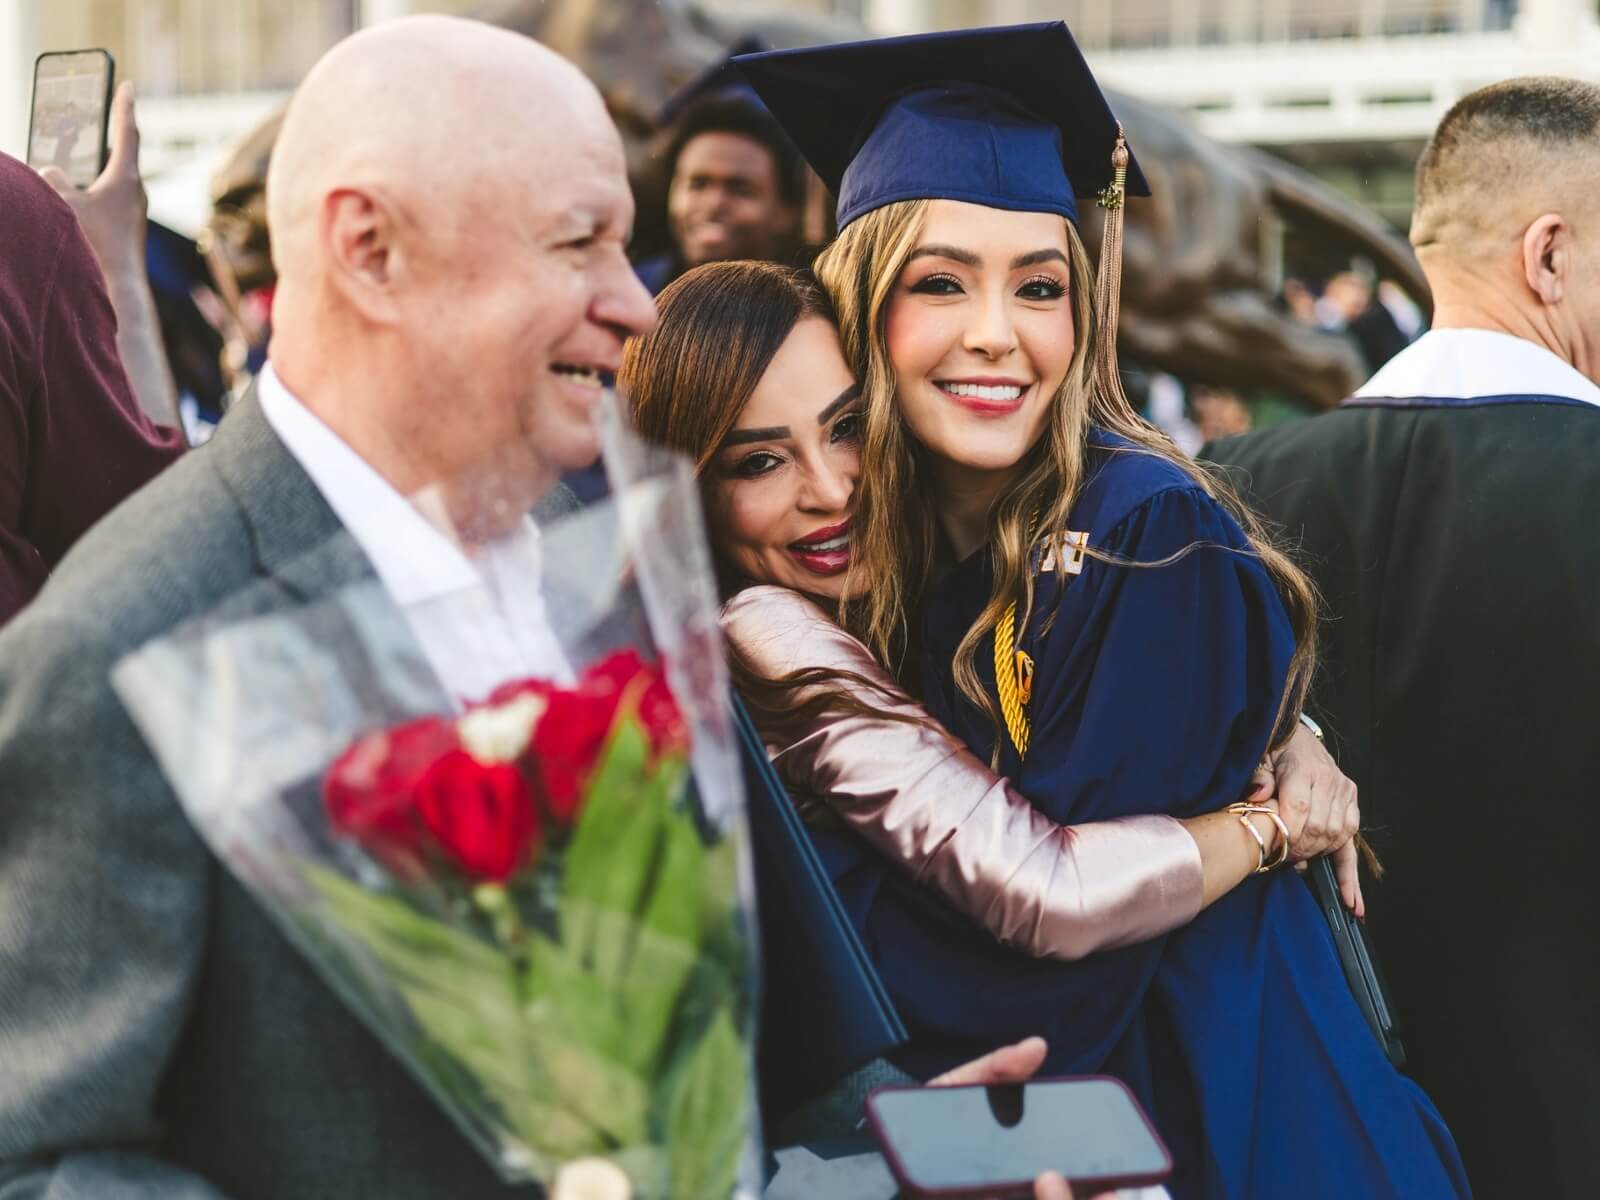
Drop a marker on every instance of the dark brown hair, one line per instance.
(719, 327)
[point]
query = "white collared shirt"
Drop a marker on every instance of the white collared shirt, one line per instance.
(1469, 364)
(479, 616)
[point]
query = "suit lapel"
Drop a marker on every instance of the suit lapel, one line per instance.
(296, 538)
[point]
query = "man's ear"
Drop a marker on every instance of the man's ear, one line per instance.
(1547, 257)
(358, 236)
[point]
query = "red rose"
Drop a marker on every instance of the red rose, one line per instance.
(571, 734)
(624, 675)
(611, 675)
(660, 715)
(369, 790)
(481, 815)
(627, 675)
(567, 743)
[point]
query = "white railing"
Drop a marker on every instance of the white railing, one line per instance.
(1377, 89)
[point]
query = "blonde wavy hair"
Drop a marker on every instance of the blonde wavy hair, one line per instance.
(893, 536)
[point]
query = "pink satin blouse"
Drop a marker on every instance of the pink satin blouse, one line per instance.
(926, 802)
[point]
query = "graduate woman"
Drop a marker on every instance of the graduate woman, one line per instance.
(1079, 605)
(774, 434)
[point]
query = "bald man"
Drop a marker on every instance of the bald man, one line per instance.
(449, 210)
(1448, 513)
(452, 283)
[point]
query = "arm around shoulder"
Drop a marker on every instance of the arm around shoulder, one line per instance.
(921, 799)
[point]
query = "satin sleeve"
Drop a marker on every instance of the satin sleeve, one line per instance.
(921, 799)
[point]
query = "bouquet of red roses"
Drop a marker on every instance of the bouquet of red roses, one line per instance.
(537, 901)
(556, 923)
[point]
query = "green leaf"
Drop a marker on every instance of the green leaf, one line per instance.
(559, 1094)
(719, 885)
(360, 908)
(725, 930)
(615, 845)
(610, 809)
(707, 1117)
(665, 947)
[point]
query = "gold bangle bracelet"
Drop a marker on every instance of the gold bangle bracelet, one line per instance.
(1261, 842)
(1244, 812)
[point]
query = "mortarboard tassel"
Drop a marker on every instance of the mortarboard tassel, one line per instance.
(1108, 276)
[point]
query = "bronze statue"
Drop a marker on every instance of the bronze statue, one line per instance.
(1199, 299)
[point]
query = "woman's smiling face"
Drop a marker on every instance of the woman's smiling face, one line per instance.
(781, 489)
(979, 332)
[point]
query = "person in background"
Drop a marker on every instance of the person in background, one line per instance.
(1447, 513)
(1165, 407)
(192, 319)
(736, 183)
(1219, 412)
(1362, 315)
(74, 440)
(1301, 302)
(1402, 309)
(112, 213)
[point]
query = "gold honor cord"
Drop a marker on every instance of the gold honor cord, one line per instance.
(1013, 677)
(1013, 668)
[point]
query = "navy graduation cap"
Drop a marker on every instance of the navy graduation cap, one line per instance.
(1009, 117)
(722, 79)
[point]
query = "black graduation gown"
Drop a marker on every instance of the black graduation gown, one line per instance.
(1457, 546)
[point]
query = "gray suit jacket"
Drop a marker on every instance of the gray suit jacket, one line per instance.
(158, 1036)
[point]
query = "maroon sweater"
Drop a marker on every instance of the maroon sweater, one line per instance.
(73, 442)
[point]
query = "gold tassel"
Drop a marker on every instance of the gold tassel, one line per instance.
(1108, 276)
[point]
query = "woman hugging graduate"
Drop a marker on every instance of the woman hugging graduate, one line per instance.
(1081, 606)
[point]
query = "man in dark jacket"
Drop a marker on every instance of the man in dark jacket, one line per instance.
(1448, 513)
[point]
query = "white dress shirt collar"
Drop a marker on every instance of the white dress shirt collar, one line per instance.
(1469, 364)
(415, 560)
(480, 620)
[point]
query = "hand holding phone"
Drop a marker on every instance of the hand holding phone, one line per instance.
(112, 209)
(963, 1143)
(68, 122)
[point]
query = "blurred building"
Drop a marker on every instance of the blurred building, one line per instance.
(1349, 88)
(207, 70)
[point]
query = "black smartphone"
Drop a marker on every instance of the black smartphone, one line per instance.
(1358, 958)
(961, 1142)
(71, 113)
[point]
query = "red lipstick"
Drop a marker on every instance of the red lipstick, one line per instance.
(824, 551)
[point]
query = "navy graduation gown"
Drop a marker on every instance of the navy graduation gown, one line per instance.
(1156, 690)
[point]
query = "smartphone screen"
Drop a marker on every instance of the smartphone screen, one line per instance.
(71, 105)
(954, 1139)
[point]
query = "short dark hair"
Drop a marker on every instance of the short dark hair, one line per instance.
(1548, 111)
(723, 114)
